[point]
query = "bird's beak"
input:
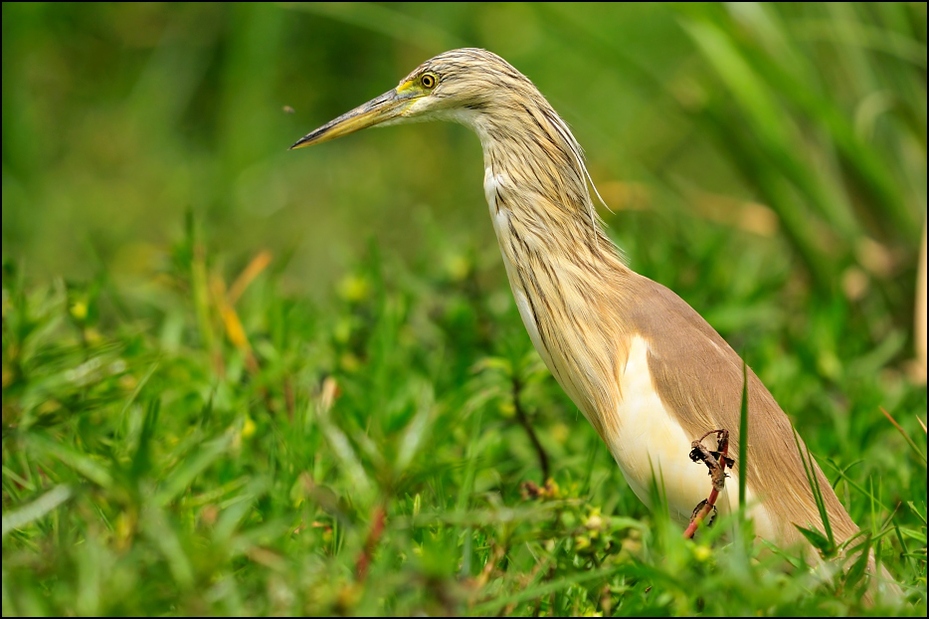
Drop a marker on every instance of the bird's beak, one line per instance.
(380, 110)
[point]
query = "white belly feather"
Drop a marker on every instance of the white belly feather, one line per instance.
(650, 442)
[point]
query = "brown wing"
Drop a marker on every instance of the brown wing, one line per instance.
(699, 378)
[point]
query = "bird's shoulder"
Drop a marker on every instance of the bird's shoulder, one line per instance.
(696, 372)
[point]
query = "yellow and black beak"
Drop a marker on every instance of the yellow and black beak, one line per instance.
(378, 111)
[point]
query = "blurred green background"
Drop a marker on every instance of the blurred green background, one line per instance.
(802, 123)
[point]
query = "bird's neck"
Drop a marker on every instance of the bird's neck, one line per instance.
(561, 265)
(536, 189)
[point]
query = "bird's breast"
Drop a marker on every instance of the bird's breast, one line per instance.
(493, 183)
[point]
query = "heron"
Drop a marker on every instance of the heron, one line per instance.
(644, 368)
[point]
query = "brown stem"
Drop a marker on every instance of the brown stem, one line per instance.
(524, 421)
(374, 535)
(289, 403)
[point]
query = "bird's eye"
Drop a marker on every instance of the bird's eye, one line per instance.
(428, 80)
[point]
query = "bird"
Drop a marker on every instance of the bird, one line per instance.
(644, 368)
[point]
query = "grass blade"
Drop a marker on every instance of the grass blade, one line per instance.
(20, 517)
(180, 479)
(743, 438)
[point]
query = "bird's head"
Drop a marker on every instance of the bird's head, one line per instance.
(459, 85)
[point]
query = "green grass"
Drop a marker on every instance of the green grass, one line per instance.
(243, 381)
(149, 467)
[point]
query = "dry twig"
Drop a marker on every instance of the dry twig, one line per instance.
(717, 462)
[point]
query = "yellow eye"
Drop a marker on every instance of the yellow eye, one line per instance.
(428, 80)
